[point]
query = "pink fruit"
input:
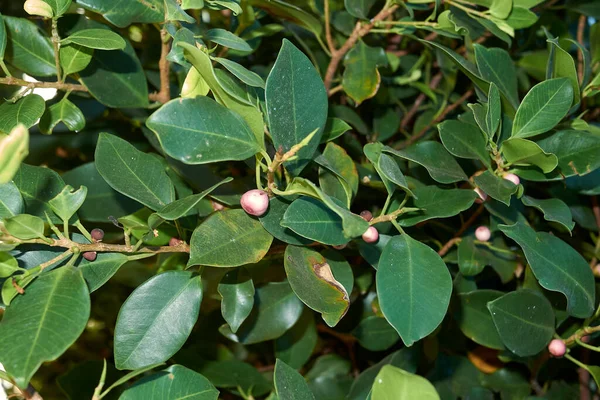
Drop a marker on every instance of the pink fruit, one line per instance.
(483, 233)
(557, 348)
(513, 178)
(366, 215)
(90, 255)
(173, 242)
(97, 234)
(482, 195)
(371, 235)
(255, 202)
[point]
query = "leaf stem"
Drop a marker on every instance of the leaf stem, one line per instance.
(56, 44)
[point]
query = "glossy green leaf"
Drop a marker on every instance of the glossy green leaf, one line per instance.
(271, 222)
(3, 38)
(334, 128)
(311, 219)
(26, 111)
(437, 203)
(117, 71)
(501, 8)
(101, 39)
(237, 291)
(394, 383)
(213, 133)
(231, 374)
(148, 11)
(11, 202)
(312, 279)
(361, 78)
(471, 258)
(227, 39)
(68, 201)
(554, 210)
(25, 226)
(496, 187)
(464, 140)
(242, 73)
(173, 383)
(475, 320)
(519, 151)
(156, 319)
(289, 384)
(133, 173)
(174, 12)
(57, 306)
(577, 151)
(543, 107)
(229, 239)
(74, 58)
(359, 8)
(14, 147)
(521, 17)
(59, 7)
(296, 104)
(341, 180)
(433, 156)
(557, 267)
(28, 49)
(509, 382)
(494, 111)
(413, 287)
(8, 265)
(375, 334)
(495, 65)
(525, 321)
(563, 66)
(295, 347)
(96, 273)
(64, 111)
(37, 186)
(387, 169)
(290, 12)
(276, 309)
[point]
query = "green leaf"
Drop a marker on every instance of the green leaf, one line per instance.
(133, 173)
(118, 71)
(227, 39)
(148, 11)
(74, 58)
(543, 107)
(28, 49)
(494, 111)
(296, 104)
(202, 62)
(231, 374)
(57, 306)
(433, 156)
(564, 67)
(554, 210)
(519, 151)
(25, 226)
(496, 66)
(371, 252)
(26, 111)
(3, 39)
(37, 186)
(101, 39)
(292, 13)
(525, 321)
(237, 291)
(375, 334)
(501, 8)
(312, 279)
(386, 168)
(361, 78)
(334, 128)
(102, 200)
(229, 239)
(64, 111)
(242, 73)
(59, 7)
(156, 319)
(394, 383)
(465, 141)
(289, 384)
(359, 8)
(271, 222)
(11, 202)
(295, 347)
(68, 201)
(437, 203)
(521, 17)
(213, 133)
(413, 287)
(341, 180)
(496, 187)
(96, 273)
(14, 147)
(174, 12)
(8, 265)
(276, 309)
(475, 320)
(312, 219)
(471, 258)
(173, 383)
(557, 267)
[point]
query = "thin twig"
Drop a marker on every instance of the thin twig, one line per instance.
(105, 247)
(328, 36)
(358, 32)
(457, 236)
(435, 81)
(164, 95)
(580, 30)
(12, 81)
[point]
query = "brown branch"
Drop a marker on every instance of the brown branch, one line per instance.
(328, 36)
(164, 95)
(580, 30)
(12, 81)
(442, 252)
(106, 247)
(435, 81)
(358, 32)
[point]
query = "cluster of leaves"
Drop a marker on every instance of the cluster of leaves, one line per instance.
(435, 117)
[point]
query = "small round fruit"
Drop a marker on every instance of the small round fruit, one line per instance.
(513, 178)
(483, 233)
(557, 348)
(366, 215)
(371, 235)
(482, 195)
(90, 255)
(173, 242)
(255, 202)
(97, 234)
